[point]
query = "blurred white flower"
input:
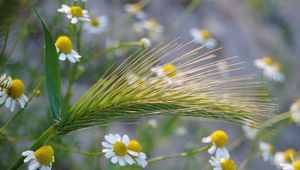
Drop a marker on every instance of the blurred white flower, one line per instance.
(167, 73)
(136, 10)
(74, 13)
(218, 139)
(267, 151)
(135, 150)
(284, 157)
(203, 37)
(222, 164)
(152, 123)
(250, 131)
(149, 28)
(181, 131)
(295, 112)
(96, 25)
(145, 43)
(270, 69)
(295, 165)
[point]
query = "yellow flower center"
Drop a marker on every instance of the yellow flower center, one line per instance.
(289, 154)
(64, 44)
(136, 7)
(296, 165)
(16, 90)
(228, 164)
(44, 155)
(120, 148)
(170, 70)
(76, 11)
(278, 67)
(204, 34)
(220, 138)
(94, 22)
(153, 22)
(267, 60)
(134, 145)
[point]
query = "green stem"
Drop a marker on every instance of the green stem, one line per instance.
(46, 136)
(178, 155)
(64, 148)
(121, 45)
(21, 110)
(4, 46)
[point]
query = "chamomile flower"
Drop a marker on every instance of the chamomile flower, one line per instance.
(145, 43)
(13, 94)
(218, 139)
(275, 73)
(96, 25)
(203, 37)
(250, 131)
(116, 149)
(135, 150)
(150, 28)
(270, 68)
(5, 81)
(135, 9)
(64, 48)
(295, 112)
(295, 165)
(222, 164)
(74, 13)
(284, 157)
(167, 72)
(135, 80)
(267, 151)
(152, 123)
(40, 159)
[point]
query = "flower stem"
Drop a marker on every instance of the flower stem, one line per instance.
(64, 148)
(26, 104)
(178, 155)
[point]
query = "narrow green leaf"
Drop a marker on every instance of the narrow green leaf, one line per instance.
(52, 71)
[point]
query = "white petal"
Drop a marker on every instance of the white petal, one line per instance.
(143, 155)
(115, 159)
(222, 153)
(118, 137)
(62, 56)
(74, 20)
(28, 158)
(110, 138)
(3, 98)
(206, 139)
(105, 144)
(8, 102)
(128, 159)
(133, 153)
(212, 149)
(109, 154)
(27, 153)
(12, 105)
(21, 102)
(125, 139)
(122, 161)
(71, 58)
(34, 165)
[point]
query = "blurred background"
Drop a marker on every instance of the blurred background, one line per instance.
(250, 29)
